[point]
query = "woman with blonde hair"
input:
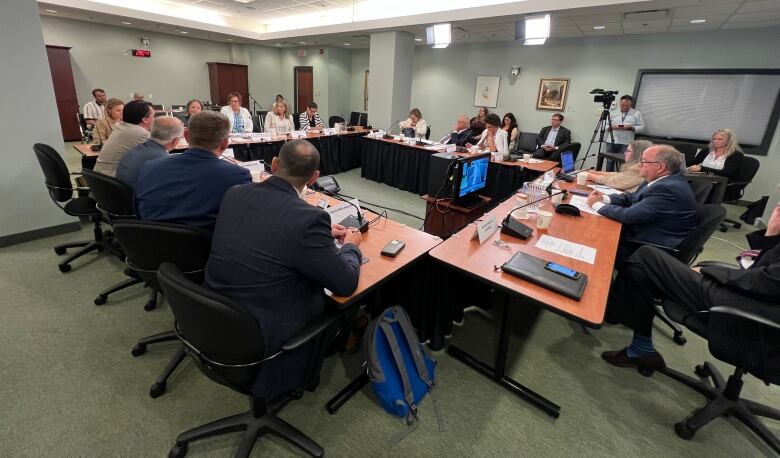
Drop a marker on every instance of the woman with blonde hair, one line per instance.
(279, 120)
(414, 125)
(628, 178)
(112, 115)
(722, 156)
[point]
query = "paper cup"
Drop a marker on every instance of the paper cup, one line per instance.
(557, 197)
(519, 214)
(474, 149)
(582, 178)
(543, 219)
(526, 157)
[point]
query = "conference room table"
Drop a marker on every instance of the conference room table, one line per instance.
(406, 167)
(339, 152)
(482, 263)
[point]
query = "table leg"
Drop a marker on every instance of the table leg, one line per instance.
(347, 392)
(497, 373)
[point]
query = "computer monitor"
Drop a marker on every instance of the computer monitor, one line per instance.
(567, 162)
(470, 176)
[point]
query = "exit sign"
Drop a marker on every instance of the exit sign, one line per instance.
(141, 53)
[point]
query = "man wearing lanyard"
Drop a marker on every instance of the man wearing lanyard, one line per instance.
(626, 123)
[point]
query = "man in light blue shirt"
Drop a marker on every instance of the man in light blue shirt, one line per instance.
(164, 136)
(626, 123)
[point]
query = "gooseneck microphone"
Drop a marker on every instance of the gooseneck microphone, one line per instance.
(356, 222)
(387, 135)
(514, 228)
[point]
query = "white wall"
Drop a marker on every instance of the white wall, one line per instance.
(319, 64)
(339, 73)
(265, 75)
(176, 72)
(444, 79)
(25, 75)
(357, 79)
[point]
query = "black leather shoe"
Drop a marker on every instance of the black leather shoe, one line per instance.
(645, 364)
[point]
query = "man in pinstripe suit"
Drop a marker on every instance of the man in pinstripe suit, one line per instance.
(274, 253)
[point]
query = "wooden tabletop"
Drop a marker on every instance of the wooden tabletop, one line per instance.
(479, 261)
(380, 268)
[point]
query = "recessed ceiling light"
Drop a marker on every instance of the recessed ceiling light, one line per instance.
(51, 11)
(183, 31)
(418, 39)
(698, 21)
(347, 44)
(301, 42)
(126, 23)
(230, 39)
(278, 44)
(599, 27)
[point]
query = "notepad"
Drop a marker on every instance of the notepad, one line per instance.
(566, 248)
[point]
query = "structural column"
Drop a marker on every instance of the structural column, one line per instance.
(390, 77)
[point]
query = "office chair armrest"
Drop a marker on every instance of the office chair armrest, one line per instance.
(726, 313)
(312, 330)
(727, 265)
(738, 183)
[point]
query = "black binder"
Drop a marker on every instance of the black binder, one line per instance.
(532, 269)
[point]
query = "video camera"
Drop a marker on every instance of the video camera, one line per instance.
(604, 97)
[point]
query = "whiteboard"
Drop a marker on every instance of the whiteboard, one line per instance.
(693, 106)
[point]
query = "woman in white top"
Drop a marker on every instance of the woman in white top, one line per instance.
(493, 138)
(279, 120)
(722, 156)
(415, 123)
(240, 119)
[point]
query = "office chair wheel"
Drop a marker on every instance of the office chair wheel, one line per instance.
(736, 225)
(64, 268)
(156, 390)
(645, 371)
(701, 371)
(149, 306)
(60, 250)
(138, 350)
(100, 300)
(724, 229)
(684, 431)
(178, 451)
(679, 339)
(100, 248)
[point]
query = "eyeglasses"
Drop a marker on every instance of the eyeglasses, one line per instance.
(649, 162)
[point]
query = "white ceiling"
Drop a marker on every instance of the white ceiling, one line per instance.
(675, 16)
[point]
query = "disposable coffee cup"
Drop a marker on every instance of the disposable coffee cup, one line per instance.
(543, 219)
(557, 197)
(582, 178)
(526, 157)
(474, 149)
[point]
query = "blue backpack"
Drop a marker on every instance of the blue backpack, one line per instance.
(400, 372)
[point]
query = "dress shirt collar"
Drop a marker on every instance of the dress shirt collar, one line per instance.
(656, 180)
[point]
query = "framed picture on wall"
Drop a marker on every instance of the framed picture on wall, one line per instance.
(486, 91)
(552, 94)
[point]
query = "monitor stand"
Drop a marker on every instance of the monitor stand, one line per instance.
(469, 201)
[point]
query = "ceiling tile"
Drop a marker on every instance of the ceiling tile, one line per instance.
(749, 25)
(755, 17)
(603, 33)
(645, 30)
(710, 20)
(655, 23)
(597, 18)
(693, 27)
(610, 26)
(761, 6)
(711, 10)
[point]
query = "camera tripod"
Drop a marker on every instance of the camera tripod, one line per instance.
(604, 123)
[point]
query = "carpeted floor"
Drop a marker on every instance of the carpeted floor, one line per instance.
(69, 386)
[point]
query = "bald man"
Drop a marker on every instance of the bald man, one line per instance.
(163, 138)
(460, 133)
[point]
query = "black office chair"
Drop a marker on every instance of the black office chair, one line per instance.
(227, 344)
(573, 147)
(261, 116)
(158, 107)
(84, 130)
(178, 108)
(709, 217)
(526, 143)
(115, 202)
(297, 121)
(736, 188)
(148, 244)
(428, 133)
(747, 340)
(333, 120)
(256, 125)
(61, 190)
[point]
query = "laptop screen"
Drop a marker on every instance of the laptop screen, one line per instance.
(567, 162)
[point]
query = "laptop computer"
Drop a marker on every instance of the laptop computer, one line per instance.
(567, 166)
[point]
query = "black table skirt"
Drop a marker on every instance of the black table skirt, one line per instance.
(407, 168)
(338, 153)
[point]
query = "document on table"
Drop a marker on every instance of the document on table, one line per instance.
(339, 212)
(606, 190)
(566, 248)
(581, 202)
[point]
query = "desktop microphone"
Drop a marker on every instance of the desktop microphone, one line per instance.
(514, 228)
(350, 221)
(254, 101)
(387, 135)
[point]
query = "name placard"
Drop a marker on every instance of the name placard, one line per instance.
(298, 134)
(485, 228)
(450, 149)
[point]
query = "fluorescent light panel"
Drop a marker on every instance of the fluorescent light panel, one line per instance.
(537, 29)
(439, 35)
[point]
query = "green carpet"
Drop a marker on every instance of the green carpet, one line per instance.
(69, 386)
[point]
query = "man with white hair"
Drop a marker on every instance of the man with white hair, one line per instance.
(164, 136)
(460, 133)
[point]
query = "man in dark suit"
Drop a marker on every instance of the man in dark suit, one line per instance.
(651, 273)
(662, 211)
(460, 134)
(274, 253)
(550, 138)
(187, 188)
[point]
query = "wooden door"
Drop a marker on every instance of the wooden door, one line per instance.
(227, 78)
(64, 91)
(304, 87)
